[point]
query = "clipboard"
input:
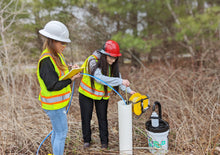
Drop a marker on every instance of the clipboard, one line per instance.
(73, 72)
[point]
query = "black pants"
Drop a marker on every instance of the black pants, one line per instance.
(86, 107)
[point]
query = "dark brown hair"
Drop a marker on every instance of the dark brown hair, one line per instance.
(104, 66)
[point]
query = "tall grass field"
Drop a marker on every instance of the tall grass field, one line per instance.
(190, 100)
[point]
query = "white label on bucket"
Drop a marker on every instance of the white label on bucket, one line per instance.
(158, 142)
(154, 143)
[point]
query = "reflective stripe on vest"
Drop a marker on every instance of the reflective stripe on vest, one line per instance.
(97, 93)
(53, 100)
(94, 92)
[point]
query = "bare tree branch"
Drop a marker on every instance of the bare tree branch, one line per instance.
(136, 58)
(12, 14)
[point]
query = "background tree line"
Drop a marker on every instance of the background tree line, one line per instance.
(165, 28)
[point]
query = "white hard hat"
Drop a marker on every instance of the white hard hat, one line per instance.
(56, 30)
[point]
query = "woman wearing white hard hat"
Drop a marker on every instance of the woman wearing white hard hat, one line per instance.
(55, 93)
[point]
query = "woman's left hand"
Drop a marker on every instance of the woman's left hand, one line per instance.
(76, 76)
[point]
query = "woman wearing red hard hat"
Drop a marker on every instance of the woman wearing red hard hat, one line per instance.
(102, 64)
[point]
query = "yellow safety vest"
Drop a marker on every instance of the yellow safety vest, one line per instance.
(53, 100)
(85, 88)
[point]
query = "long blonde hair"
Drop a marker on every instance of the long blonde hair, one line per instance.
(48, 43)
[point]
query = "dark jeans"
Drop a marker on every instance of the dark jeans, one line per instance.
(86, 107)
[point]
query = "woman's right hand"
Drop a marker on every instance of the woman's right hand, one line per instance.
(76, 76)
(125, 82)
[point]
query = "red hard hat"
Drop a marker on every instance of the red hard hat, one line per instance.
(111, 48)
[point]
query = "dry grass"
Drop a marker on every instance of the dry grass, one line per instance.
(189, 99)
